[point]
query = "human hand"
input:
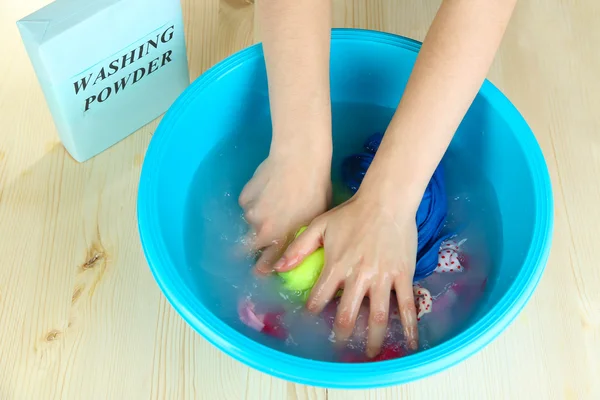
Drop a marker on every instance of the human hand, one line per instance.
(287, 191)
(370, 250)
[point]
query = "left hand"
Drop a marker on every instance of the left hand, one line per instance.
(370, 250)
(290, 188)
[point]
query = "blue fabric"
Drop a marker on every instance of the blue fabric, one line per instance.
(431, 213)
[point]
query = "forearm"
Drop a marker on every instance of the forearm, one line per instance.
(296, 41)
(452, 64)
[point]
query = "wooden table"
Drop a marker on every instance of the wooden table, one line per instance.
(82, 318)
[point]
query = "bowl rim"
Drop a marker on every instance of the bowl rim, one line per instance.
(322, 373)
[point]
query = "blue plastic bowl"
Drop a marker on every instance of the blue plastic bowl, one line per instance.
(370, 68)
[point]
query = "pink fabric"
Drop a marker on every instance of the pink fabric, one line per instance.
(248, 316)
(269, 323)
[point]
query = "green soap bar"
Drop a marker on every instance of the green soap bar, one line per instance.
(305, 275)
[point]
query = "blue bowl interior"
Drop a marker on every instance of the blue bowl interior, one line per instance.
(368, 78)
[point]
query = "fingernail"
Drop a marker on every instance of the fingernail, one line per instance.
(263, 269)
(259, 273)
(312, 307)
(413, 345)
(280, 264)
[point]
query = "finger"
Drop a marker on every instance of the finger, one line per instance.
(266, 235)
(251, 215)
(308, 241)
(324, 290)
(249, 241)
(270, 254)
(408, 312)
(379, 305)
(254, 186)
(250, 192)
(246, 196)
(260, 236)
(348, 309)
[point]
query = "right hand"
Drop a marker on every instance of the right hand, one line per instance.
(288, 190)
(370, 245)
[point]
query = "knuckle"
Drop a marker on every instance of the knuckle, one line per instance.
(314, 222)
(246, 193)
(365, 277)
(344, 321)
(280, 245)
(318, 220)
(361, 262)
(265, 229)
(402, 274)
(251, 214)
(408, 308)
(379, 317)
(313, 305)
(409, 305)
(243, 199)
(335, 258)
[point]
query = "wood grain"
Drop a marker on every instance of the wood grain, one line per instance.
(82, 318)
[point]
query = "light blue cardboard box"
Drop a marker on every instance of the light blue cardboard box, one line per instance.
(106, 67)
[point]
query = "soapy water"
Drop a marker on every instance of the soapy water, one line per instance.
(222, 267)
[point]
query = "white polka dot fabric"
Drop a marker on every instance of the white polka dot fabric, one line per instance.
(448, 261)
(448, 257)
(423, 300)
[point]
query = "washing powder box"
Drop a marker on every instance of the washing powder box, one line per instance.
(106, 67)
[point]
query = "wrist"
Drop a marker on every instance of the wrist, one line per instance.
(301, 115)
(304, 149)
(302, 139)
(305, 134)
(398, 203)
(397, 188)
